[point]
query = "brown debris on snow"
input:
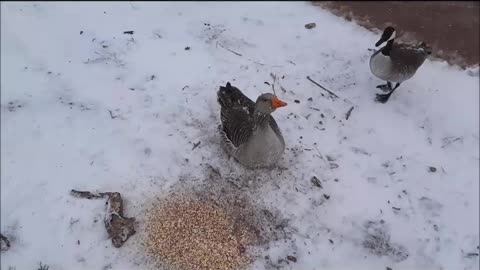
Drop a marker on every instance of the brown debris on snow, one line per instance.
(119, 228)
(4, 243)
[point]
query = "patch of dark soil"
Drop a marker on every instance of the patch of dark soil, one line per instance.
(377, 241)
(451, 28)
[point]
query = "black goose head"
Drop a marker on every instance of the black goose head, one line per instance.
(388, 34)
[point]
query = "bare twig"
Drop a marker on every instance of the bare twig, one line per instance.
(128, 32)
(228, 49)
(233, 182)
(195, 145)
(111, 114)
(291, 62)
(215, 171)
(274, 77)
(43, 266)
(319, 154)
(258, 63)
(317, 84)
(348, 113)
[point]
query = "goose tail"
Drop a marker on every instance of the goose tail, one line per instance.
(227, 95)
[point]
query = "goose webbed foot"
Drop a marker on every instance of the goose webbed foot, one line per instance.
(385, 87)
(383, 98)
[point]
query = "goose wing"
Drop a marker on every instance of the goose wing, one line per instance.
(275, 128)
(411, 56)
(236, 115)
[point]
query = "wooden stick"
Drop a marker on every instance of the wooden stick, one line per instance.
(348, 113)
(229, 49)
(317, 84)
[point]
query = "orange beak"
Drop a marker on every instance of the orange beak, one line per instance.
(277, 103)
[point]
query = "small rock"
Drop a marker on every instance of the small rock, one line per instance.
(321, 115)
(316, 182)
(333, 166)
(187, 48)
(81, 32)
(297, 101)
(432, 169)
(320, 122)
(310, 99)
(326, 196)
(336, 179)
(329, 158)
(331, 241)
(388, 268)
(292, 258)
(310, 25)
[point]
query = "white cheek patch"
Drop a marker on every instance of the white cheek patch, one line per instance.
(392, 36)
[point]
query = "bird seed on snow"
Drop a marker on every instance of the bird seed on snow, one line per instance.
(187, 233)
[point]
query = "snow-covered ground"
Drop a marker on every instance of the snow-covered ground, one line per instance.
(85, 106)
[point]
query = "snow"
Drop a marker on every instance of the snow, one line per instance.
(108, 111)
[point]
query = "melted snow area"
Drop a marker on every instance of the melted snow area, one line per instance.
(86, 106)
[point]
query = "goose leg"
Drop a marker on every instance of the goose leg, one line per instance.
(385, 87)
(383, 98)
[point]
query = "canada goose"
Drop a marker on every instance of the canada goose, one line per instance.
(249, 132)
(395, 62)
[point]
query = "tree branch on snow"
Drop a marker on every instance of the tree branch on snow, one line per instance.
(349, 113)
(228, 49)
(317, 84)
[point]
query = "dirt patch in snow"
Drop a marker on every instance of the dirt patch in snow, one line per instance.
(450, 27)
